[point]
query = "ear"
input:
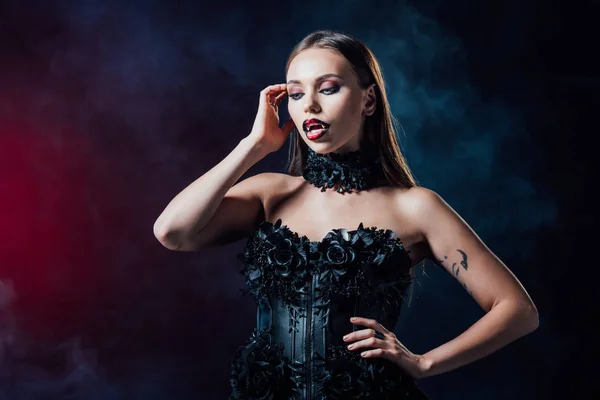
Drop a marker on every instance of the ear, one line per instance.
(370, 100)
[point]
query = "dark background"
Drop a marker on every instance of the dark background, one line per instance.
(108, 109)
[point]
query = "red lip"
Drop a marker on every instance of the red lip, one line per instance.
(311, 121)
(316, 136)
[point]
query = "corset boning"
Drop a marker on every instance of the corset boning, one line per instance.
(306, 292)
(312, 333)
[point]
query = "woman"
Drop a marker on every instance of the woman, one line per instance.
(331, 245)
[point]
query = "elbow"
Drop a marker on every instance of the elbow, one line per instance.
(522, 316)
(166, 237)
(533, 317)
(529, 318)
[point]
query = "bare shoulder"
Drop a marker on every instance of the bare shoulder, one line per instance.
(268, 177)
(418, 201)
(431, 215)
(421, 207)
(424, 214)
(267, 186)
(263, 184)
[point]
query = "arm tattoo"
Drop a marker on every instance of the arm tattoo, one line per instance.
(463, 262)
(441, 261)
(455, 268)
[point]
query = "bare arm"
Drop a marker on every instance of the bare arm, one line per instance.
(185, 224)
(510, 312)
(210, 211)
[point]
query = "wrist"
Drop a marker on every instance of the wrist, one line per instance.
(425, 366)
(254, 148)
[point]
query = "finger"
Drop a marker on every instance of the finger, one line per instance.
(268, 91)
(377, 353)
(371, 323)
(362, 334)
(277, 87)
(369, 342)
(275, 98)
(272, 101)
(280, 96)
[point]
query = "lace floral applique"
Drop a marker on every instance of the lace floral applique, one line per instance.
(348, 376)
(260, 371)
(353, 171)
(366, 261)
(275, 263)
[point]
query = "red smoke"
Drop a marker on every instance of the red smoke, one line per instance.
(44, 237)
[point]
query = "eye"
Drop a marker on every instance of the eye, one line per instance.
(327, 91)
(330, 90)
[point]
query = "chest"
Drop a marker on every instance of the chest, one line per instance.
(366, 262)
(312, 213)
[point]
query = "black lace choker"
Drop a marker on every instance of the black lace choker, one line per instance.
(356, 170)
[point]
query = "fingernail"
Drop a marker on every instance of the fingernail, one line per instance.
(353, 319)
(346, 337)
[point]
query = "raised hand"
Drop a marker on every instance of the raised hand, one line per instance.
(266, 130)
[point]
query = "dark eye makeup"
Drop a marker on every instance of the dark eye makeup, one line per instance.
(327, 91)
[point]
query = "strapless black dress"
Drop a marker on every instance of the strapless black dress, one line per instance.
(306, 293)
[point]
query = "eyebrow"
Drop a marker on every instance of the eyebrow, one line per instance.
(319, 79)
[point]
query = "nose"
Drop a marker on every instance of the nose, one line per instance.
(311, 106)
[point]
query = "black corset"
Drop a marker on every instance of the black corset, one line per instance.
(306, 292)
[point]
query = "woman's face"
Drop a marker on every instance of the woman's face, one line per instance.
(322, 87)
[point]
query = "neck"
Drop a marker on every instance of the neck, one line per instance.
(344, 172)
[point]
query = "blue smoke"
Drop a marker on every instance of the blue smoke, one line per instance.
(164, 90)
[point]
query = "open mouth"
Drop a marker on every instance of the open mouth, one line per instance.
(315, 128)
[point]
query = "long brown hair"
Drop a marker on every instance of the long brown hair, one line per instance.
(379, 128)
